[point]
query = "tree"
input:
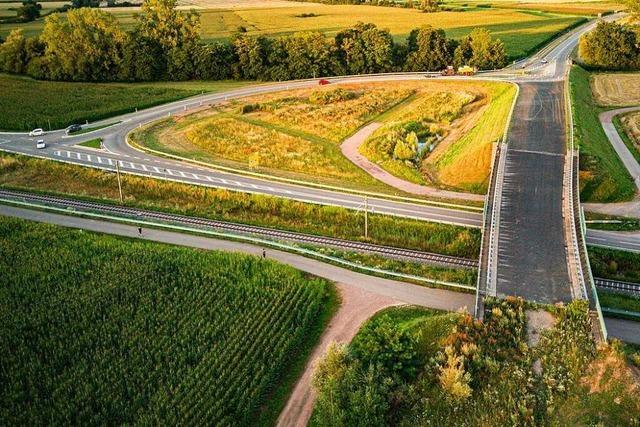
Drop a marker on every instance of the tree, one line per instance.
(430, 5)
(143, 59)
(86, 46)
(76, 4)
(610, 46)
(428, 50)
(250, 57)
(364, 49)
(29, 11)
(12, 53)
(479, 50)
(162, 22)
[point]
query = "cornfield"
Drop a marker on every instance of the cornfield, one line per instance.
(97, 330)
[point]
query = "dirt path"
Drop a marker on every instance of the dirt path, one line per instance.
(357, 306)
(350, 148)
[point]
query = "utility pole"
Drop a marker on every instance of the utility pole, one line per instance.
(119, 183)
(366, 217)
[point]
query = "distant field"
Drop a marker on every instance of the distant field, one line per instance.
(584, 7)
(603, 177)
(616, 89)
(99, 330)
(26, 103)
(520, 30)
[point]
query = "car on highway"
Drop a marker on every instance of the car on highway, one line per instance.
(36, 132)
(323, 82)
(72, 128)
(41, 144)
(544, 61)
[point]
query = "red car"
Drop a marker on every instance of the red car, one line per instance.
(323, 82)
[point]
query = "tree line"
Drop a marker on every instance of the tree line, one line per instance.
(611, 46)
(90, 45)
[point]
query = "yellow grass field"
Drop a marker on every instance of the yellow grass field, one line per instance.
(616, 89)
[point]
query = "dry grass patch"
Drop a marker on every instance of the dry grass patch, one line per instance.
(631, 123)
(616, 89)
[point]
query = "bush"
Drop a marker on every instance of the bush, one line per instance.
(324, 97)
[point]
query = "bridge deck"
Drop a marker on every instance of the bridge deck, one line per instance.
(532, 257)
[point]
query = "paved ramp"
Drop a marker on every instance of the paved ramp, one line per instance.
(532, 258)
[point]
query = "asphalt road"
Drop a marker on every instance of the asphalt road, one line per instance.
(624, 330)
(629, 161)
(532, 259)
(400, 291)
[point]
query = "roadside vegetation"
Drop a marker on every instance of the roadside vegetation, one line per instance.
(464, 276)
(619, 301)
(26, 104)
(101, 330)
(21, 172)
(412, 367)
(603, 177)
(430, 129)
(615, 264)
(612, 222)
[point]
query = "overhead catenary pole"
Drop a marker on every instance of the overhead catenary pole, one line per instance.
(119, 183)
(366, 217)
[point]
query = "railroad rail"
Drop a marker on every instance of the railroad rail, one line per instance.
(615, 285)
(236, 228)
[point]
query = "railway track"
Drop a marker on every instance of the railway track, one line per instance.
(235, 228)
(614, 285)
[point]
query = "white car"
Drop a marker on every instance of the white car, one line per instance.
(544, 61)
(41, 144)
(36, 132)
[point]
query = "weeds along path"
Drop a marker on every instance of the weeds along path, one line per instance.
(357, 306)
(350, 149)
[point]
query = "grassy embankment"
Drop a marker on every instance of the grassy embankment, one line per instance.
(521, 31)
(603, 177)
(460, 121)
(26, 103)
(628, 127)
(41, 175)
(615, 264)
(413, 367)
(101, 330)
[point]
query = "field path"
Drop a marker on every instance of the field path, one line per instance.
(350, 148)
(357, 306)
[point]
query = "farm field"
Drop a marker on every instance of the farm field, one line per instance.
(584, 7)
(298, 134)
(616, 89)
(102, 330)
(521, 31)
(603, 177)
(26, 103)
(46, 176)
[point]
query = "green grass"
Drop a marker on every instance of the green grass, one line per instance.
(61, 178)
(619, 301)
(93, 143)
(615, 264)
(621, 223)
(92, 129)
(105, 330)
(26, 104)
(603, 177)
(521, 31)
(465, 276)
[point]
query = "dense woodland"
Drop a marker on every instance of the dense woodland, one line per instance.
(87, 44)
(612, 46)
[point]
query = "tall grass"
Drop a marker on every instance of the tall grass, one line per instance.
(98, 330)
(43, 175)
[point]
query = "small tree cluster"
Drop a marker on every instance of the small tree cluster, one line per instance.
(611, 46)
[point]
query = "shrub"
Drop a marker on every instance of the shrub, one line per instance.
(324, 97)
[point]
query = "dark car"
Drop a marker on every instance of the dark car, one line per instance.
(72, 129)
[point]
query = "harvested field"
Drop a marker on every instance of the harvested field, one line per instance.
(617, 90)
(631, 123)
